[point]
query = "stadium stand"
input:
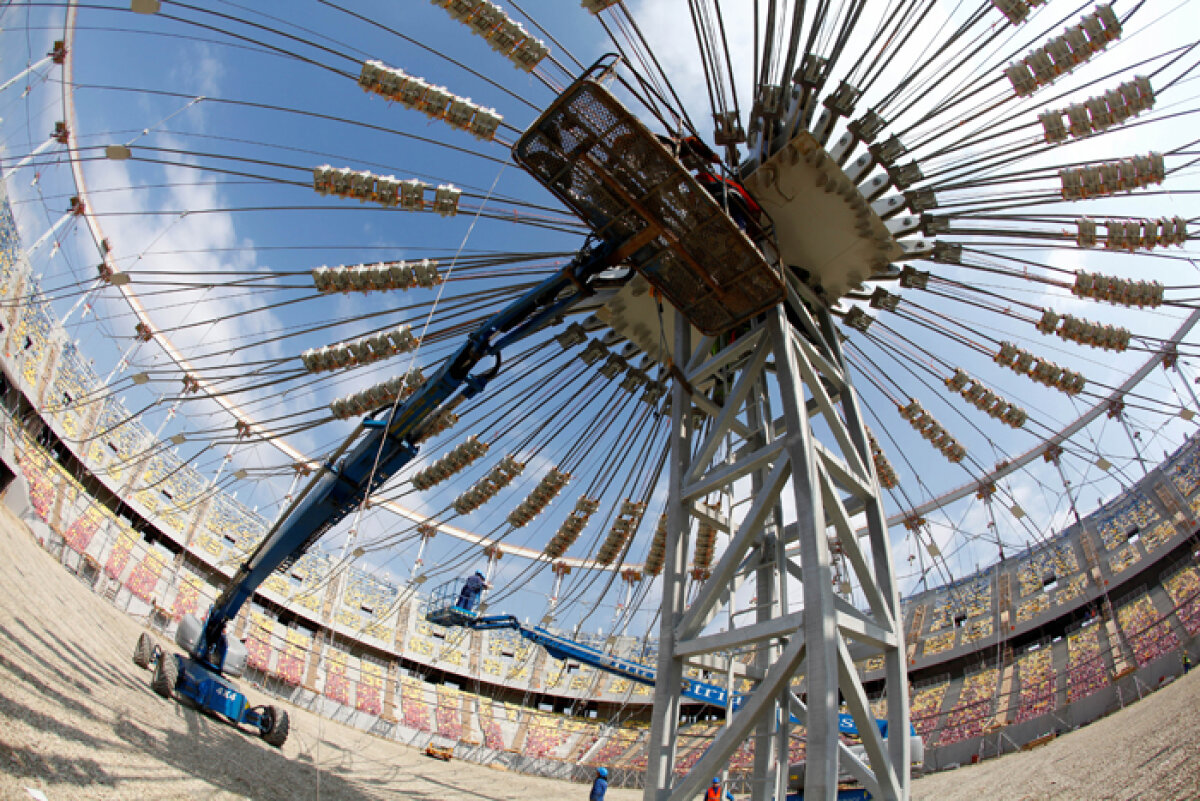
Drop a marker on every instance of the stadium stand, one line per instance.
(118, 557)
(1044, 566)
(1128, 515)
(289, 667)
(187, 598)
(35, 466)
(1158, 535)
(1123, 558)
(975, 596)
(414, 707)
(493, 732)
(1183, 587)
(975, 704)
(939, 643)
(925, 706)
(1086, 672)
(1183, 469)
(337, 683)
(368, 695)
(1032, 608)
(976, 630)
(259, 633)
(1072, 589)
(617, 744)
(78, 535)
(1148, 633)
(143, 581)
(1036, 673)
(449, 713)
(743, 758)
(547, 734)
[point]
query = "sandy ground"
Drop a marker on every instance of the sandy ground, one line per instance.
(79, 721)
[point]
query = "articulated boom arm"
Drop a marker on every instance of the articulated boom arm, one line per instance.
(385, 443)
(562, 648)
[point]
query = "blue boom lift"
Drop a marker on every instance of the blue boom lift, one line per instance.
(378, 448)
(648, 214)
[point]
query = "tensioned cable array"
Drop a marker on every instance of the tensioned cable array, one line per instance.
(1019, 217)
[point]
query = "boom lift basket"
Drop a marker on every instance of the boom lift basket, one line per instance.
(605, 165)
(442, 608)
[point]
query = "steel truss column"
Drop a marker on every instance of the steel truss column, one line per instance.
(660, 763)
(811, 465)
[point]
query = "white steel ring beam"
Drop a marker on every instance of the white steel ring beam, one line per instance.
(1059, 438)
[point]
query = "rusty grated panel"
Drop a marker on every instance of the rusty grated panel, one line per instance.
(599, 159)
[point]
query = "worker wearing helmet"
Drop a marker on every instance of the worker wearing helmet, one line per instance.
(714, 791)
(600, 785)
(472, 589)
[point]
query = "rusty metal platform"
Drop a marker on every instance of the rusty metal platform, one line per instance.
(600, 160)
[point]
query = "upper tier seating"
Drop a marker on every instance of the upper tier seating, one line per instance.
(1032, 607)
(1056, 560)
(1128, 513)
(1158, 535)
(1071, 589)
(1123, 558)
(1183, 469)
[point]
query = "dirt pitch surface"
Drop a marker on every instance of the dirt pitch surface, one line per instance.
(78, 721)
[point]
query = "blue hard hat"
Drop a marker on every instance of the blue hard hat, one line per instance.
(478, 574)
(602, 773)
(716, 779)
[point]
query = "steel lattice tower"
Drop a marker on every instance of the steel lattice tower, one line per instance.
(771, 421)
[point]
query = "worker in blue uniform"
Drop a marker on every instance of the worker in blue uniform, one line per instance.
(599, 786)
(468, 597)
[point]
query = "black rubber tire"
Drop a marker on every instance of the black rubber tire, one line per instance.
(166, 675)
(278, 724)
(143, 652)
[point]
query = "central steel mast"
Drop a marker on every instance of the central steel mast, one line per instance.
(803, 486)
